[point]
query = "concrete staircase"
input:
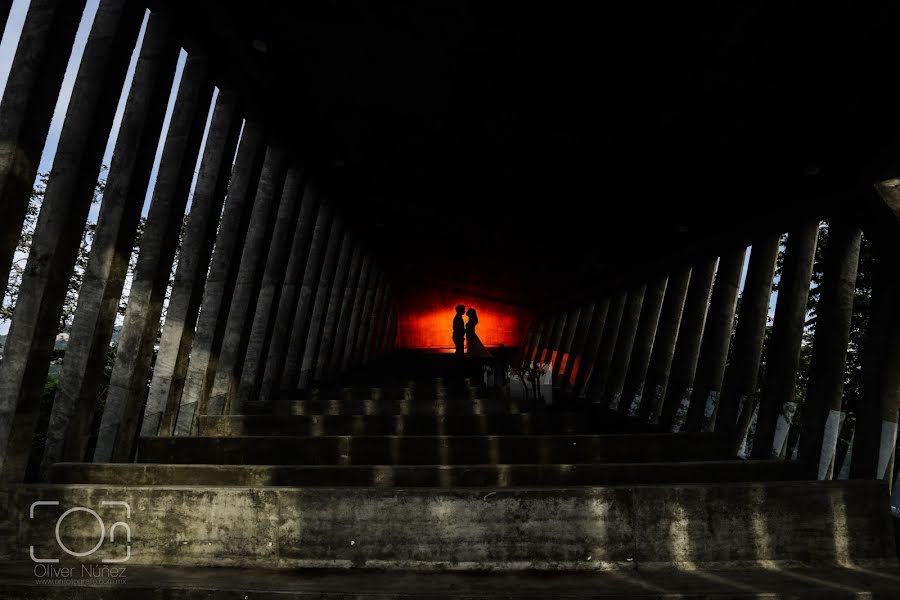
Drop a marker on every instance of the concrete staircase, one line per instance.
(437, 474)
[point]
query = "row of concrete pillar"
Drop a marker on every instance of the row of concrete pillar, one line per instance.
(667, 349)
(272, 288)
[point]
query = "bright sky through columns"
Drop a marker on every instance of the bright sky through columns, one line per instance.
(8, 47)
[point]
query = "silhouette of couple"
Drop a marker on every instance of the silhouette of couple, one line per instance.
(465, 331)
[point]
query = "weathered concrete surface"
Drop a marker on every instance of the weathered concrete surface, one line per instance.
(247, 284)
(333, 309)
(60, 226)
(430, 450)
(631, 316)
(221, 277)
(104, 277)
(740, 377)
(644, 337)
(786, 336)
(29, 98)
(443, 476)
(725, 525)
(128, 382)
(170, 368)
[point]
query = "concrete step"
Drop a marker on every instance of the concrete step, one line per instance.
(734, 525)
(404, 406)
(323, 425)
(17, 580)
(426, 475)
(433, 450)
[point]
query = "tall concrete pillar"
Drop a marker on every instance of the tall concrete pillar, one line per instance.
(825, 390)
(275, 316)
(591, 348)
(537, 330)
(29, 98)
(787, 334)
(60, 227)
(283, 368)
(365, 325)
(621, 358)
(877, 410)
(526, 343)
(541, 352)
(346, 312)
(579, 341)
(633, 387)
(104, 277)
(716, 339)
(388, 320)
(555, 341)
(221, 277)
(170, 368)
(565, 346)
(657, 380)
(378, 309)
(247, 283)
(333, 308)
(362, 289)
(320, 305)
(736, 407)
(596, 378)
(687, 348)
(128, 382)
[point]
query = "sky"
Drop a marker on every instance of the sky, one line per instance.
(7, 52)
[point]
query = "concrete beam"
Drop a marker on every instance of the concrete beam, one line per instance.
(365, 325)
(170, 368)
(128, 382)
(563, 355)
(335, 304)
(592, 347)
(221, 277)
(249, 279)
(346, 312)
(633, 388)
(787, 334)
(29, 98)
(736, 406)
(374, 320)
(123, 199)
(687, 348)
(631, 317)
(287, 254)
(60, 227)
(363, 287)
(576, 351)
(825, 390)
(596, 378)
(658, 370)
(701, 414)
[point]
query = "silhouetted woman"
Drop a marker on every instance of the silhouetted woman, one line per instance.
(475, 347)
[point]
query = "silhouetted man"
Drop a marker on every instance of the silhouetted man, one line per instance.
(459, 330)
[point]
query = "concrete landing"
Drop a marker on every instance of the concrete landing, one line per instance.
(426, 475)
(17, 581)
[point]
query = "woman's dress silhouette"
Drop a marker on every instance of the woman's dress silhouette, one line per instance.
(474, 346)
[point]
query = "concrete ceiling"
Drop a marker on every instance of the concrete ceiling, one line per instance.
(539, 151)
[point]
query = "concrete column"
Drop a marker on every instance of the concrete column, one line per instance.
(658, 370)
(29, 98)
(333, 309)
(128, 382)
(385, 335)
(736, 406)
(787, 334)
(526, 343)
(346, 313)
(283, 368)
(120, 211)
(287, 257)
(537, 329)
(597, 377)
(825, 390)
(591, 348)
(633, 387)
(375, 324)
(877, 411)
(542, 352)
(365, 324)
(565, 344)
(60, 227)
(621, 358)
(362, 288)
(221, 277)
(687, 348)
(320, 305)
(556, 336)
(576, 351)
(170, 368)
(248, 282)
(701, 414)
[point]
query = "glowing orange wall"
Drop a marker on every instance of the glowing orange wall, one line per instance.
(426, 320)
